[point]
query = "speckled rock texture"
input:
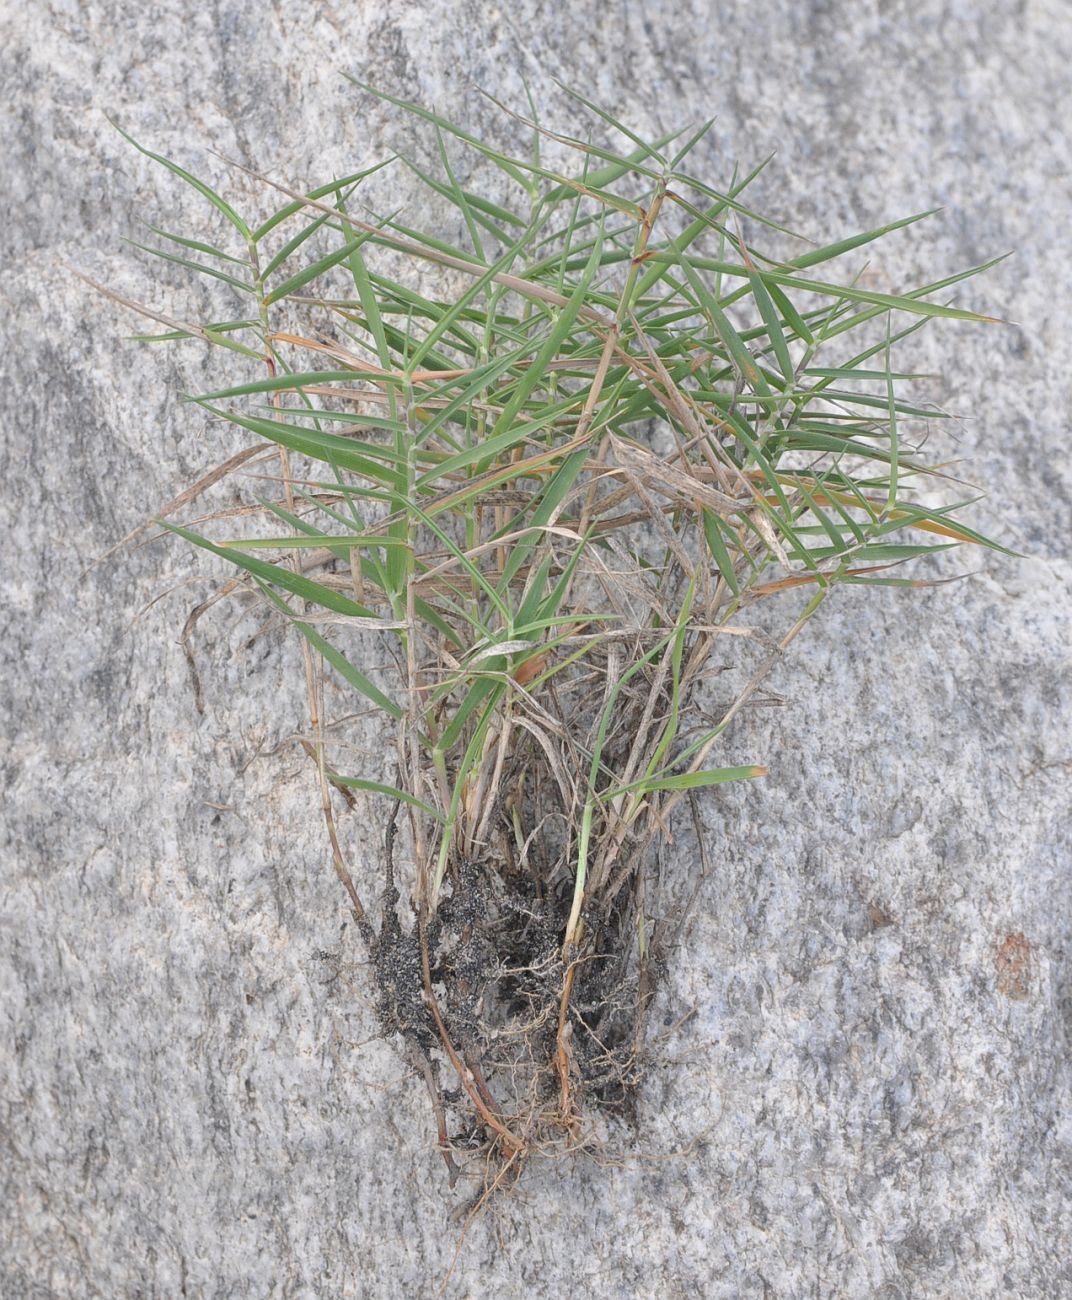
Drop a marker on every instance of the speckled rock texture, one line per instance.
(871, 1096)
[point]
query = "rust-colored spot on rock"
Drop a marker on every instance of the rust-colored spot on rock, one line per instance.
(1013, 961)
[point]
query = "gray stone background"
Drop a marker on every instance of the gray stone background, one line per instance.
(871, 1098)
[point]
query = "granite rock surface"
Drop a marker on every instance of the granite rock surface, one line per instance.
(871, 1096)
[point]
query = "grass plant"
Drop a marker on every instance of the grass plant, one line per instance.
(556, 495)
